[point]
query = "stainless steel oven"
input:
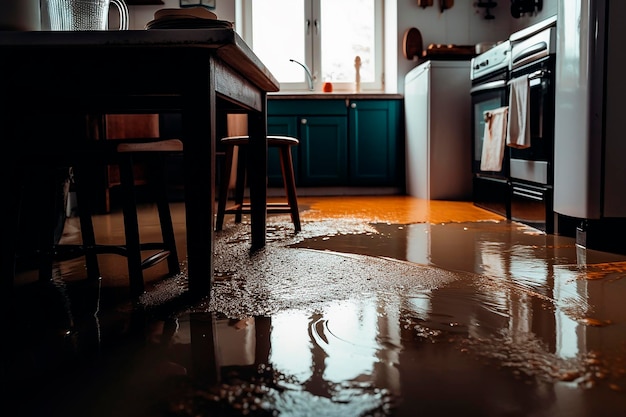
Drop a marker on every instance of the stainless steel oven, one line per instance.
(489, 75)
(533, 55)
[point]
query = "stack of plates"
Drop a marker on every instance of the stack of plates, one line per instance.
(186, 18)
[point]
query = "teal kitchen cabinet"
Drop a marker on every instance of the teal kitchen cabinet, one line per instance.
(374, 137)
(320, 158)
(322, 128)
(342, 142)
(323, 150)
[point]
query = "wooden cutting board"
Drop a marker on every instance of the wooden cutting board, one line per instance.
(412, 43)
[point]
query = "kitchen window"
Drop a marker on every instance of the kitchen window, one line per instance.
(324, 35)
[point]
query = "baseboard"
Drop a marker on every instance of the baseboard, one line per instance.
(336, 191)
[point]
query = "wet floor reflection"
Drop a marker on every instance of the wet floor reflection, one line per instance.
(477, 318)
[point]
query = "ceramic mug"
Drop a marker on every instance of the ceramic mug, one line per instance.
(19, 15)
(81, 14)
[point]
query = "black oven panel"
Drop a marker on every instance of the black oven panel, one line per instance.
(489, 76)
(535, 164)
(532, 205)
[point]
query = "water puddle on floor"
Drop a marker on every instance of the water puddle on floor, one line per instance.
(352, 319)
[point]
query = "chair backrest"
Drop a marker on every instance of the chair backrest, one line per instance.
(128, 126)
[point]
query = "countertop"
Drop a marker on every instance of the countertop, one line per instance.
(227, 44)
(318, 95)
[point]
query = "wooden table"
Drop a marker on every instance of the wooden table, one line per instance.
(199, 73)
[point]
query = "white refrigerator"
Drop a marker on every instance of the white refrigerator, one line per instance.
(590, 124)
(438, 133)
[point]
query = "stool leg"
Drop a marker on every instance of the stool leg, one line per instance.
(87, 233)
(165, 218)
(240, 182)
(286, 164)
(46, 223)
(131, 227)
(10, 232)
(223, 191)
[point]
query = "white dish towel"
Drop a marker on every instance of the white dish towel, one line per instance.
(494, 138)
(518, 131)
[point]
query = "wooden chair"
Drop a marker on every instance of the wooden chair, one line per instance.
(240, 143)
(124, 154)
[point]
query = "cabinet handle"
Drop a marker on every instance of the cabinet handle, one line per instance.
(353, 105)
(303, 121)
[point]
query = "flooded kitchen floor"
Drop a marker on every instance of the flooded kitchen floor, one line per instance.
(386, 306)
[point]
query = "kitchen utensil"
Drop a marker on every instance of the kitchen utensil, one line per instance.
(357, 78)
(522, 7)
(445, 4)
(81, 14)
(412, 43)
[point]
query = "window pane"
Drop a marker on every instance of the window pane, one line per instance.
(348, 30)
(338, 32)
(273, 19)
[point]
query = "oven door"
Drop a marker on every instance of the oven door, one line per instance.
(491, 190)
(535, 164)
(486, 96)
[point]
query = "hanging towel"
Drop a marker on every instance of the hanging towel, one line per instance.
(518, 131)
(493, 140)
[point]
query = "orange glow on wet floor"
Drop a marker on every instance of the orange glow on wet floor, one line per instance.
(393, 209)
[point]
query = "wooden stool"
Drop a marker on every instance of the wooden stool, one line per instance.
(284, 144)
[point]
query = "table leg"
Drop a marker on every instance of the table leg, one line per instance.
(257, 167)
(199, 135)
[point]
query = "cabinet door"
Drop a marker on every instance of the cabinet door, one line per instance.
(323, 153)
(374, 141)
(282, 126)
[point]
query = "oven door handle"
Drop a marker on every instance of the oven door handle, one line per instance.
(493, 85)
(536, 77)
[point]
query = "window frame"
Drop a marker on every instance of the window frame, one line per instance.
(313, 50)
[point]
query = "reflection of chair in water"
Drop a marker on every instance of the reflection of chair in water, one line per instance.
(240, 144)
